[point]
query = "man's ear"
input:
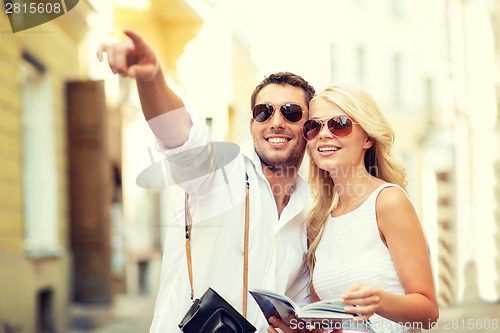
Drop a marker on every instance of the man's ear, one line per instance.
(368, 143)
(251, 125)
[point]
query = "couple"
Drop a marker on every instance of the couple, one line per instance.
(362, 241)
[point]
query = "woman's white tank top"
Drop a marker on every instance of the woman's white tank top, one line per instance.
(351, 251)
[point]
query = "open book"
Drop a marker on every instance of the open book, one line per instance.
(328, 314)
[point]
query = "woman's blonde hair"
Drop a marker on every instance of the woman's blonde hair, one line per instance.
(379, 161)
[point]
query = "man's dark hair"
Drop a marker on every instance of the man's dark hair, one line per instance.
(283, 78)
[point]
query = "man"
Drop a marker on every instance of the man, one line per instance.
(278, 195)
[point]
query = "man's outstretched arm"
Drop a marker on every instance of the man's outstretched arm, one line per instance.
(134, 58)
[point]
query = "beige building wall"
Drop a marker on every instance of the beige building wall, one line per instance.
(167, 25)
(55, 45)
(495, 19)
(210, 67)
(244, 82)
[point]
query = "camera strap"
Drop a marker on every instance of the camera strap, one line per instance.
(188, 224)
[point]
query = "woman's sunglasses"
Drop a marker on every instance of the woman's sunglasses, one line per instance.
(339, 126)
(290, 111)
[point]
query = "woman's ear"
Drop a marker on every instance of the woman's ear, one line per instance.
(369, 142)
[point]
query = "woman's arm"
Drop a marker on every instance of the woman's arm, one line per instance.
(401, 231)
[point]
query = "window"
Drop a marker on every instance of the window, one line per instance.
(359, 3)
(361, 65)
(45, 311)
(209, 122)
(397, 7)
(332, 62)
(396, 60)
(429, 94)
(39, 160)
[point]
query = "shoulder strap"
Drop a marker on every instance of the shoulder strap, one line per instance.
(188, 224)
(245, 256)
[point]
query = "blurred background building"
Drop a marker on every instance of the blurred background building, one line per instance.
(75, 229)
(35, 242)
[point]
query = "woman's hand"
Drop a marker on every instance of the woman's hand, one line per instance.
(365, 297)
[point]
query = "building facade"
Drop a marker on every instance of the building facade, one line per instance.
(35, 251)
(62, 225)
(433, 78)
(208, 64)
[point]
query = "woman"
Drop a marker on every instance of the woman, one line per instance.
(367, 247)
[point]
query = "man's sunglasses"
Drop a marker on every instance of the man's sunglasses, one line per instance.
(339, 126)
(290, 111)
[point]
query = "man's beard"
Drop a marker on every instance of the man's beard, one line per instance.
(292, 161)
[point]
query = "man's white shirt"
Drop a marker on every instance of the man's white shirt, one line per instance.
(277, 245)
